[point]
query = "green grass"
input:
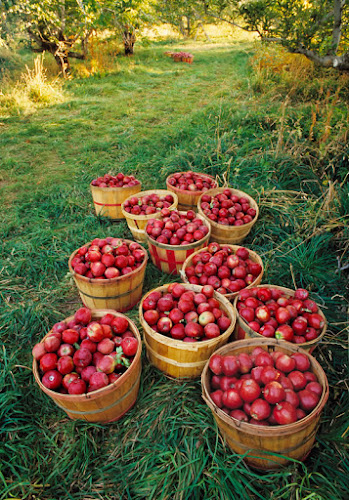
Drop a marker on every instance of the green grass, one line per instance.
(151, 117)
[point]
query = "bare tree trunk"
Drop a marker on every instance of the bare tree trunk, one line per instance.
(188, 26)
(181, 27)
(85, 43)
(58, 47)
(62, 61)
(337, 23)
(129, 41)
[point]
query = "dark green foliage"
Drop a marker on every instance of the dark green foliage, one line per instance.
(152, 117)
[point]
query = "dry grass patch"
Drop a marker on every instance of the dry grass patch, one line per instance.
(33, 90)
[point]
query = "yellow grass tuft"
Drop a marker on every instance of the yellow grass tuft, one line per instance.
(272, 62)
(31, 91)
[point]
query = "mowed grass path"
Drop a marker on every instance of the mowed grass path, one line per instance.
(129, 116)
(151, 117)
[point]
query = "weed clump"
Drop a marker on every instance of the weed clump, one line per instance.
(33, 90)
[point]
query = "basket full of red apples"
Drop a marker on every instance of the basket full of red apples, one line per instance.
(109, 273)
(183, 325)
(230, 212)
(90, 364)
(266, 397)
(175, 236)
(109, 191)
(228, 268)
(189, 186)
(277, 312)
(146, 205)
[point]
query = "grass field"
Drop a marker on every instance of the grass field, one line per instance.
(278, 129)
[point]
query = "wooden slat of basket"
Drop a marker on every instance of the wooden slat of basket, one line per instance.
(107, 404)
(253, 256)
(229, 234)
(174, 368)
(292, 440)
(167, 260)
(243, 331)
(297, 447)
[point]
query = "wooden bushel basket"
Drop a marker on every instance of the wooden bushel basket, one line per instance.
(262, 446)
(229, 234)
(121, 293)
(180, 359)
(243, 331)
(108, 404)
(137, 223)
(253, 256)
(170, 258)
(107, 201)
(188, 200)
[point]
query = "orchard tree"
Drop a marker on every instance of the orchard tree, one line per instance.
(317, 29)
(184, 15)
(55, 26)
(127, 17)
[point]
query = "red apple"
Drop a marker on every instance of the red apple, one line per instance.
(83, 315)
(38, 351)
(52, 379)
(77, 386)
(65, 365)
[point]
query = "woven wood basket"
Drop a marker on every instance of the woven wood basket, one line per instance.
(137, 223)
(253, 256)
(170, 258)
(229, 234)
(121, 293)
(108, 201)
(261, 447)
(180, 359)
(243, 331)
(188, 200)
(108, 404)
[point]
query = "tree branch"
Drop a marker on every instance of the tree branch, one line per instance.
(76, 55)
(34, 36)
(200, 25)
(233, 23)
(337, 23)
(271, 39)
(332, 61)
